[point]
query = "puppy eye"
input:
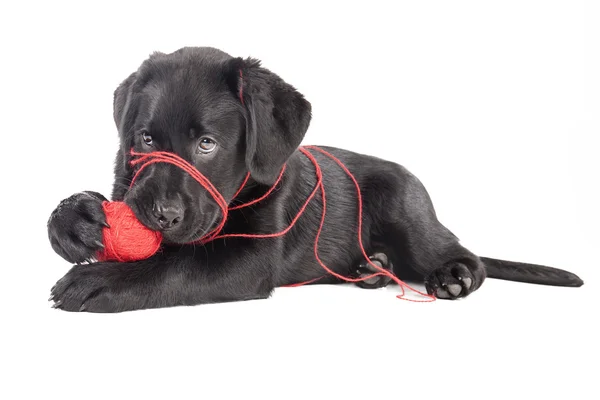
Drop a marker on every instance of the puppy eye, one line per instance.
(147, 138)
(206, 145)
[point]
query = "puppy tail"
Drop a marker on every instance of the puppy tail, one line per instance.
(529, 273)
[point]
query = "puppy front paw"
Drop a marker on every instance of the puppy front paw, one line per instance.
(91, 287)
(75, 227)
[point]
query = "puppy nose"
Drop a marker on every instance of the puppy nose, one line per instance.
(168, 214)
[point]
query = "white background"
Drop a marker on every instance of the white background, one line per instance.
(494, 105)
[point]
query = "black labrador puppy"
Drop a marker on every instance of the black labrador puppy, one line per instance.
(227, 117)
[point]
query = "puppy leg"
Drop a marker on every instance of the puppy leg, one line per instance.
(449, 270)
(165, 280)
(422, 243)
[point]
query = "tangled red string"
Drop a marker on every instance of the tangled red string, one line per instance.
(146, 159)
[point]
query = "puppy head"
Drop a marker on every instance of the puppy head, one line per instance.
(226, 116)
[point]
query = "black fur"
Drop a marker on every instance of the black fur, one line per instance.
(179, 98)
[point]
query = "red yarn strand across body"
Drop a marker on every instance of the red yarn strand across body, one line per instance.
(146, 159)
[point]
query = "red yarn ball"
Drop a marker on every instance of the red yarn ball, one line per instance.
(126, 239)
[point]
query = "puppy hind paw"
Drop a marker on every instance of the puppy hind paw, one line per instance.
(364, 269)
(452, 281)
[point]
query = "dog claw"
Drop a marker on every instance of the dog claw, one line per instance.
(51, 298)
(82, 308)
(431, 289)
(57, 304)
(105, 224)
(99, 244)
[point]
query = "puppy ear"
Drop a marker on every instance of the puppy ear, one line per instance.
(124, 115)
(277, 117)
(122, 98)
(124, 111)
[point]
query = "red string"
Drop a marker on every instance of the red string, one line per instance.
(241, 187)
(305, 282)
(146, 159)
(261, 198)
(280, 233)
(360, 242)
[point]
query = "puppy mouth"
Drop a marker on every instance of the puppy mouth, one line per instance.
(188, 233)
(192, 228)
(196, 234)
(142, 214)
